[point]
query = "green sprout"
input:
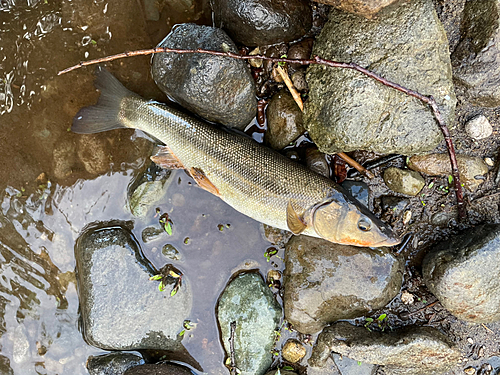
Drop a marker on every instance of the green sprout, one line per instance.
(270, 252)
(282, 63)
(166, 223)
(450, 179)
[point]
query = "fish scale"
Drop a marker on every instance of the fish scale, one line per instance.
(250, 177)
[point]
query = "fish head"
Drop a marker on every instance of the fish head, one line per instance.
(349, 223)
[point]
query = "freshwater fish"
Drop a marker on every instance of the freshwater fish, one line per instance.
(251, 178)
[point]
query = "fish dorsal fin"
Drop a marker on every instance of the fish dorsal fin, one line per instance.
(203, 181)
(293, 220)
(166, 159)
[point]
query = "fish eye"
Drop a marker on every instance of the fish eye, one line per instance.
(365, 224)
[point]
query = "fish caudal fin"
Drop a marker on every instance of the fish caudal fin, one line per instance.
(104, 115)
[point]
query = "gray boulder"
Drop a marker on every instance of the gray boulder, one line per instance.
(348, 111)
(412, 351)
(113, 363)
(476, 60)
(121, 308)
(463, 274)
(325, 282)
(263, 22)
(249, 302)
(366, 8)
(219, 89)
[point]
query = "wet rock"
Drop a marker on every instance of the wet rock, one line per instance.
(171, 252)
(403, 181)
(114, 363)
(159, 369)
(476, 60)
(299, 81)
(365, 8)
(284, 120)
(439, 165)
(276, 236)
(301, 51)
(442, 218)
(395, 205)
(121, 308)
(316, 161)
(358, 190)
(348, 366)
(412, 351)
(325, 282)
(348, 111)
(92, 151)
(263, 22)
(145, 196)
(293, 351)
(478, 127)
(5, 366)
(463, 274)
(63, 156)
(249, 302)
(151, 234)
(216, 88)
(282, 372)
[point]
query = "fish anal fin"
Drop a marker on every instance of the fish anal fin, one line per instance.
(166, 159)
(203, 181)
(295, 223)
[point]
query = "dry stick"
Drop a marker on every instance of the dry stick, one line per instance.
(231, 348)
(429, 100)
(298, 100)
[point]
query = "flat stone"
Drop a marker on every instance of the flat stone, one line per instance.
(348, 111)
(439, 165)
(462, 273)
(219, 89)
(365, 8)
(411, 351)
(121, 308)
(248, 301)
(403, 181)
(263, 22)
(325, 282)
(113, 363)
(476, 60)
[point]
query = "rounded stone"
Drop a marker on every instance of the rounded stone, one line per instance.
(284, 120)
(462, 273)
(478, 127)
(216, 88)
(263, 22)
(365, 8)
(403, 181)
(293, 351)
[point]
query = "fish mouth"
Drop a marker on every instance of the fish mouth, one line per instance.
(391, 241)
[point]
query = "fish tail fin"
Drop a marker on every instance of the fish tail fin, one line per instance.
(105, 114)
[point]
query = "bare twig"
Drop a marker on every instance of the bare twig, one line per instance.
(429, 100)
(231, 348)
(355, 164)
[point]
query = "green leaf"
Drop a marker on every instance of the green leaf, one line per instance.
(168, 228)
(382, 317)
(288, 368)
(450, 179)
(369, 319)
(161, 287)
(174, 274)
(182, 332)
(173, 292)
(359, 363)
(431, 185)
(156, 277)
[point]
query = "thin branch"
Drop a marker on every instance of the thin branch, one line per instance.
(429, 100)
(355, 164)
(231, 348)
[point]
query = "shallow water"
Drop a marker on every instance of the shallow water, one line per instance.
(53, 183)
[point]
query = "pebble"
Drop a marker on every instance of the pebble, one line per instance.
(470, 370)
(478, 127)
(293, 351)
(407, 298)
(316, 161)
(489, 162)
(403, 181)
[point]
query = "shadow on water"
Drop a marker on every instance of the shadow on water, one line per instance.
(54, 183)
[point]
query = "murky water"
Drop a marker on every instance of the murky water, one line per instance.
(53, 183)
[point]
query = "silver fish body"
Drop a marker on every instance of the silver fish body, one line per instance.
(251, 178)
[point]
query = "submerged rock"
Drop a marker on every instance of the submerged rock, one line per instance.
(476, 60)
(145, 196)
(439, 165)
(348, 111)
(121, 308)
(325, 282)
(316, 161)
(412, 351)
(365, 8)
(249, 302)
(159, 369)
(463, 274)
(216, 88)
(263, 22)
(284, 120)
(358, 190)
(403, 181)
(113, 363)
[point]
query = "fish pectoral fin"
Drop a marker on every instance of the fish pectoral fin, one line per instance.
(166, 159)
(295, 223)
(202, 180)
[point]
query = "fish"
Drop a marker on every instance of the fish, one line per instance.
(253, 179)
